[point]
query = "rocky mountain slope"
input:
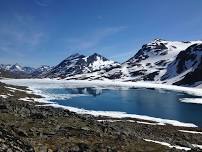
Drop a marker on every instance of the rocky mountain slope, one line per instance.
(40, 71)
(77, 64)
(153, 62)
(186, 69)
(16, 68)
(162, 61)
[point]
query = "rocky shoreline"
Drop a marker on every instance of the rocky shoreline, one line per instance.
(28, 126)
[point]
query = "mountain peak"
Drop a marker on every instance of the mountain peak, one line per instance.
(158, 40)
(79, 64)
(16, 67)
(16, 64)
(74, 56)
(44, 67)
(96, 56)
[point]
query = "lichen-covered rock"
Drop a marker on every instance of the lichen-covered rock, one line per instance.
(9, 142)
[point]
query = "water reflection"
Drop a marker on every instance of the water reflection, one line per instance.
(156, 103)
(87, 91)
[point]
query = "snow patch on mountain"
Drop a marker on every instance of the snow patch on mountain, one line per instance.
(186, 68)
(151, 61)
(18, 71)
(16, 68)
(77, 65)
(99, 63)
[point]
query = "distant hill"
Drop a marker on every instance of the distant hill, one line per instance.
(18, 71)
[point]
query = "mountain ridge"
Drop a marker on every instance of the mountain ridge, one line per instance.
(161, 61)
(150, 63)
(79, 64)
(18, 71)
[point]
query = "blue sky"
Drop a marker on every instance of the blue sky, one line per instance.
(35, 32)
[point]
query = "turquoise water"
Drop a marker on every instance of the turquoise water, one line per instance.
(150, 102)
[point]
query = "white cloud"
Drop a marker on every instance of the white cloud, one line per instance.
(91, 40)
(20, 35)
(100, 17)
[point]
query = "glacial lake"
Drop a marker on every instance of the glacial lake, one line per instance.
(140, 101)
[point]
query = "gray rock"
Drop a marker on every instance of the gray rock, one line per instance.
(21, 132)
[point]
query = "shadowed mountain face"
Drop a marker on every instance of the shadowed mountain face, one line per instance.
(40, 71)
(189, 62)
(74, 64)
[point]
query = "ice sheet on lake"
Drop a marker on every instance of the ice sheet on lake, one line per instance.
(191, 132)
(34, 84)
(51, 83)
(191, 100)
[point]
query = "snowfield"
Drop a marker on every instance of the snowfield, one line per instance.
(36, 84)
(54, 83)
(192, 100)
(168, 145)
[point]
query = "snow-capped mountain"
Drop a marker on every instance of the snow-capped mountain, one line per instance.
(186, 69)
(172, 62)
(16, 68)
(40, 70)
(28, 70)
(15, 71)
(44, 68)
(162, 61)
(18, 71)
(151, 61)
(78, 64)
(5, 66)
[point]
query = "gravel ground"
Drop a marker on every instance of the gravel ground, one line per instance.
(26, 126)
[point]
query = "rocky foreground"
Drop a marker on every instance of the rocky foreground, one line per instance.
(30, 126)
